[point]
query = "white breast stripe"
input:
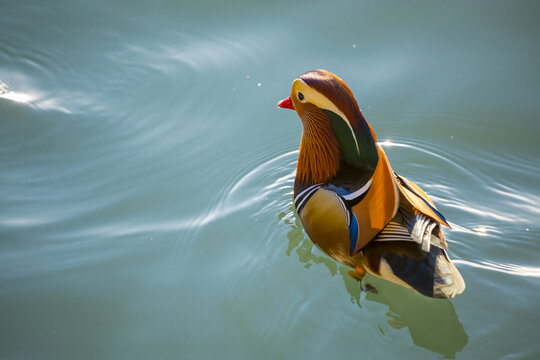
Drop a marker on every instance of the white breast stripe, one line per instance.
(358, 192)
(313, 189)
(346, 211)
(306, 190)
(300, 196)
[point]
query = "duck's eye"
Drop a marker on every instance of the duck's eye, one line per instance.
(300, 96)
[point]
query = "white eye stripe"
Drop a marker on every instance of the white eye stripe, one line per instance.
(321, 101)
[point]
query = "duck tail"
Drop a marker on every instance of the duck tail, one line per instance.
(448, 282)
(411, 251)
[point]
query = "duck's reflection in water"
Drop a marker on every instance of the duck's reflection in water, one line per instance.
(432, 323)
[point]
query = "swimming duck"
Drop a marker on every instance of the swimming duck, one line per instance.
(351, 203)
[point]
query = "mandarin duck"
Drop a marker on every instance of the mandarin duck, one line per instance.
(353, 206)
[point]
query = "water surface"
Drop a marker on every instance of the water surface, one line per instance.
(146, 178)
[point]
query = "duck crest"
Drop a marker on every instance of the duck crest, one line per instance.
(336, 141)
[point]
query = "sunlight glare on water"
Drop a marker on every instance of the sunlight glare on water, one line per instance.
(146, 178)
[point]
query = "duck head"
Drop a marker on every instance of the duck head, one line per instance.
(335, 134)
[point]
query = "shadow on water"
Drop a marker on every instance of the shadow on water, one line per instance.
(432, 323)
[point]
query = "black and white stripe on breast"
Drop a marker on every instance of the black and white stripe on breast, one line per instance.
(302, 198)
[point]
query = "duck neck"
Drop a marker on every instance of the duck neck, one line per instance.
(319, 158)
(332, 149)
(357, 142)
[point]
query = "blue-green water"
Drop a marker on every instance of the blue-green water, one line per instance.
(146, 178)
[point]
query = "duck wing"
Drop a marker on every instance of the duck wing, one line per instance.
(411, 251)
(419, 199)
